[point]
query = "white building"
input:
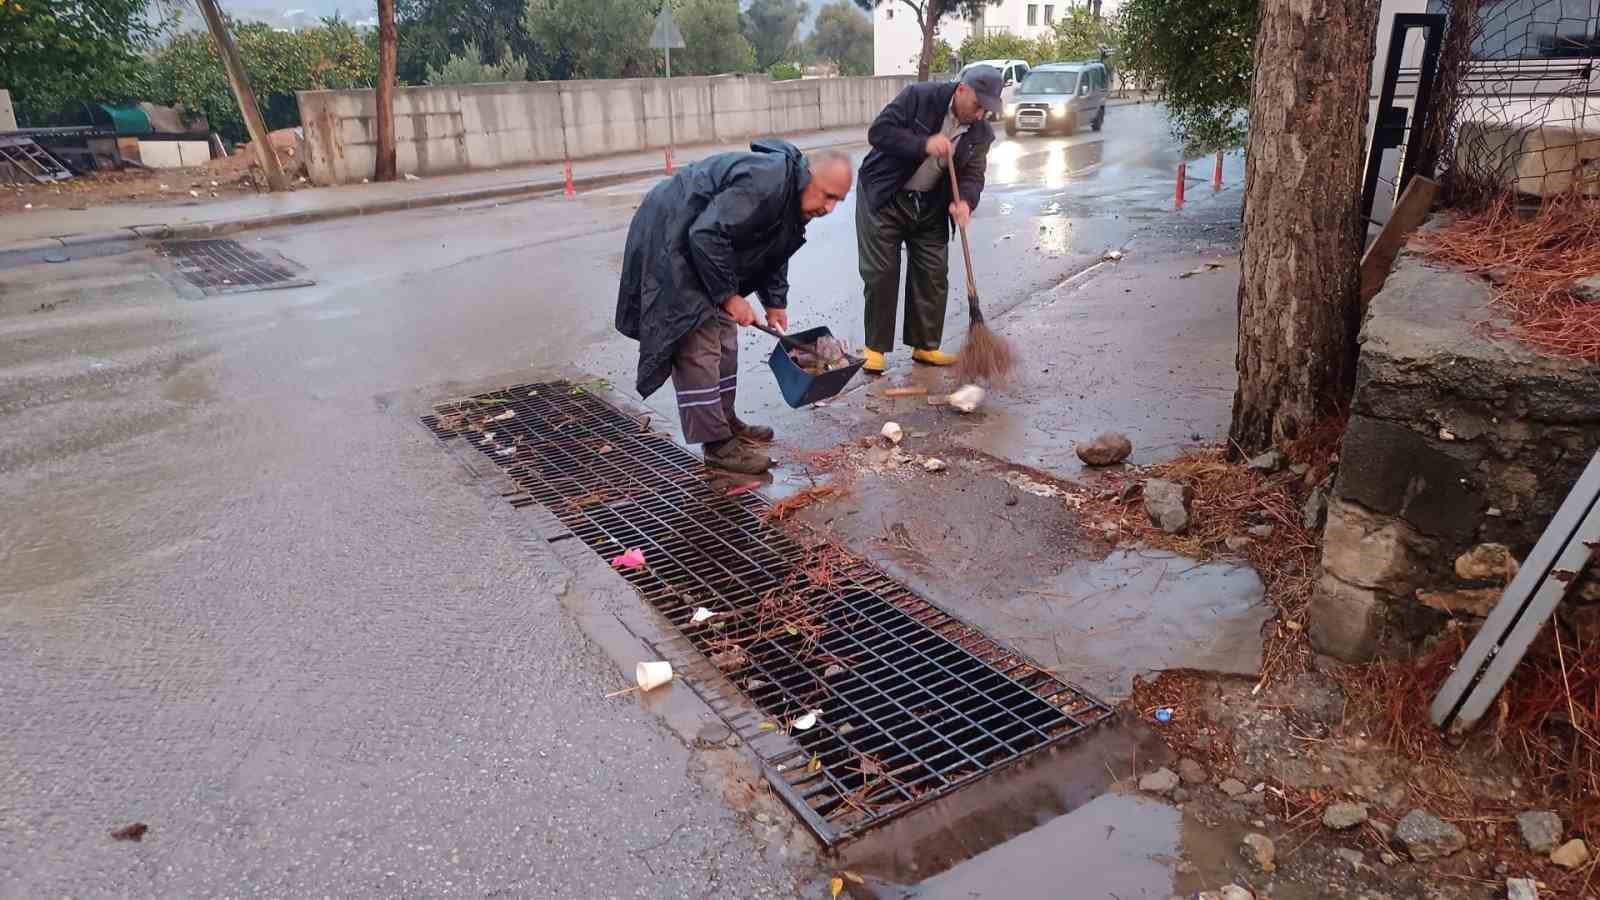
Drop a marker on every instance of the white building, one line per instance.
(897, 41)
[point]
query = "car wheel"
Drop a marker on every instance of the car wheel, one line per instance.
(1099, 119)
(1011, 129)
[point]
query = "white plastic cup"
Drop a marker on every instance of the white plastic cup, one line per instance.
(651, 675)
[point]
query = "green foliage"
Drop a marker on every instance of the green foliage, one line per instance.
(1197, 54)
(468, 67)
(53, 53)
(188, 72)
(1077, 35)
(784, 71)
(770, 27)
(432, 31)
(592, 38)
(713, 44)
(844, 37)
(944, 60)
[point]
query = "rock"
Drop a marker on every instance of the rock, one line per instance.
(1234, 892)
(1261, 531)
(1236, 543)
(1268, 462)
(1346, 622)
(1315, 510)
(1108, 449)
(1541, 830)
(1167, 505)
(1574, 854)
(1233, 787)
(1477, 602)
(1370, 550)
(1180, 795)
(1425, 836)
(892, 432)
(1259, 849)
(1254, 798)
(1161, 781)
(1192, 772)
(1353, 857)
(1522, 889)
(1586, 289)
(934, 464)
(1487, 562)
(1299, 470)
(1343, 816)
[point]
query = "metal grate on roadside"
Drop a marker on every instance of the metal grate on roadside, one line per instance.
(868, 700)
(226, 267)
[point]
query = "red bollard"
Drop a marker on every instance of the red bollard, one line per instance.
(569, 191)
(668, 154)
(1183, 175)
(1216, 174)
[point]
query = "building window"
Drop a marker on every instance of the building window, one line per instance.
(1533, 29)
(1033, 13)
(888, 12)
(1049, 14)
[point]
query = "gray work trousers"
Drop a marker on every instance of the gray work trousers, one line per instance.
(705, 375)
(921, 223)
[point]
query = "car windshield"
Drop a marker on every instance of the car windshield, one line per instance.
(1049, 83)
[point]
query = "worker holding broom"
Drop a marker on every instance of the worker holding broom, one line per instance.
(699, 245)
(906, 199)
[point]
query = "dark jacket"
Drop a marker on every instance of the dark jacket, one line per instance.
(725, 225)
(899, 138)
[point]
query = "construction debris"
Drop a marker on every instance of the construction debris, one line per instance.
(966, 398)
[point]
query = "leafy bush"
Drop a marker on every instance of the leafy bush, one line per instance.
(784, 71)
(468, 67)
(53, 55)
(1079, 35)
(1197, 54)
(188, 72)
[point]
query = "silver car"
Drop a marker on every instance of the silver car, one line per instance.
(1060, 97)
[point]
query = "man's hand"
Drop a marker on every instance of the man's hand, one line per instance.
(739, 308)
(778, 320)
(961, 212)
(939, 145)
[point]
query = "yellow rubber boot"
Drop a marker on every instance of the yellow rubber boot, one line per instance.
(934, 357)
(875, 363)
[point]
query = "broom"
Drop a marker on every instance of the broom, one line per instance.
(985, 356)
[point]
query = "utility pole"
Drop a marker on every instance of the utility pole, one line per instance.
(387, 50)
(266, 155)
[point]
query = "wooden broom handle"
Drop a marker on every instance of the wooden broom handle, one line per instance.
(966, 249)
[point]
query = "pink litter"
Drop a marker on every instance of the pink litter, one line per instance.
(633, 559)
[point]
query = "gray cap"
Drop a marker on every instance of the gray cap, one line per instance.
(985, 82)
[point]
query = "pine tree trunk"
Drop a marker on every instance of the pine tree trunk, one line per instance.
(1299, 263)
(388, 41)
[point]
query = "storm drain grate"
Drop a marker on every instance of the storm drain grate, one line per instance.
(908, 702)
(225, 267)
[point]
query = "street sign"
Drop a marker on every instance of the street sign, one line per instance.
(666, 35)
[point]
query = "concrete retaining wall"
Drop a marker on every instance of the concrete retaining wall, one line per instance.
(1460, 448)
(454, 128)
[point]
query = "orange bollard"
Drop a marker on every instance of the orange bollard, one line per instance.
(668, 153)
(1216, 174)
(1183, 175)
(570, 192)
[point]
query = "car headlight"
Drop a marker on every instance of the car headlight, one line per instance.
(1011, 110)
(1058, 109)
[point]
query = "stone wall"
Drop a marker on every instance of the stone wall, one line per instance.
(1461, 446)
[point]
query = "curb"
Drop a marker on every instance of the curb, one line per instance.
(22, 251)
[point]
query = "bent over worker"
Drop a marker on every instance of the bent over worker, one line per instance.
(699, 245)
(906, 200)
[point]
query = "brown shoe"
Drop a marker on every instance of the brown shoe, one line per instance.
(733, 455)
(755, 434)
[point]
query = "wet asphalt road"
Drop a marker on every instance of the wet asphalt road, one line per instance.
(244, 597)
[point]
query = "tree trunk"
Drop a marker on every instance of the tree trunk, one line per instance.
(929, 21)
(387, 49)
(1300, 258)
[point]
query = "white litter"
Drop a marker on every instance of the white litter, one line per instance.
(967, 398)
(934, 464)
(508, 414)
(505, 452)
(701, 614)
(1112, 255)
(806, 722)
(893, 432)
(411, 177)
(1027, 485)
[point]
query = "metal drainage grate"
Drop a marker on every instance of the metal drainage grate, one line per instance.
(911, 703)
(225, 267)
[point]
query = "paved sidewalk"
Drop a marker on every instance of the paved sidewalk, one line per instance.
(52, 229)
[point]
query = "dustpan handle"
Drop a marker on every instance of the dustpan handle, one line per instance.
(784, 339)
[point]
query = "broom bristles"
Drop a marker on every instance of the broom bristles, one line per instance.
(985, 356)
